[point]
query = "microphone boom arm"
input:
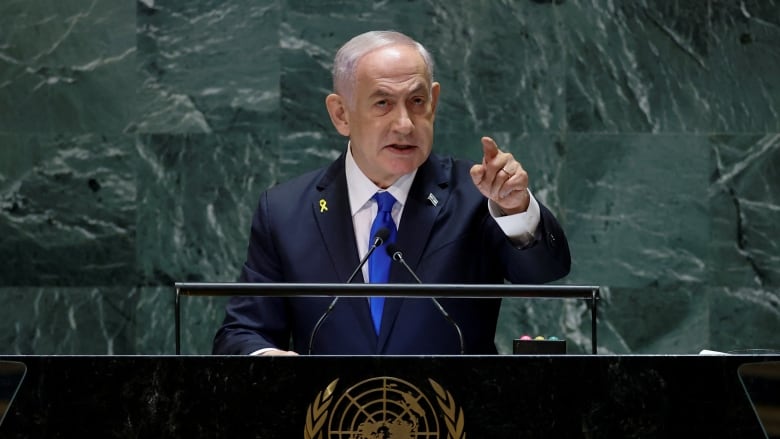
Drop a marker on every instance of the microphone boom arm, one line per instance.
(379, 238)
(399, 257)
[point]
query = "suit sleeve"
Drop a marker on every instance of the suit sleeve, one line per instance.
(546, 259)
(253, 323)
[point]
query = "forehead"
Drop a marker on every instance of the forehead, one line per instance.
(392, 66)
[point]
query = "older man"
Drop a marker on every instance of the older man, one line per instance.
(455, 222)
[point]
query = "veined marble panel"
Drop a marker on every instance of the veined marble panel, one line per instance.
(745, 206)
(196, 197)
(207, 66)
(155, 334)
(745, 318)
(105, 321)
(66, 66)
(636, 209)
(661, 66)
(69, 320)
(67, 210)
(500, 65)
(650, 320)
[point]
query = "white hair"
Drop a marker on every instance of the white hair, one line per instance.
(349, 55)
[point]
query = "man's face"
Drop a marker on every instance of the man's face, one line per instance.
(390, 121)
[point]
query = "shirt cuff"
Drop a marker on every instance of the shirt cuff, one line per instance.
(262, 351)
(521, 227)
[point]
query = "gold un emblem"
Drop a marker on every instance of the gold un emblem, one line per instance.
(383, 408)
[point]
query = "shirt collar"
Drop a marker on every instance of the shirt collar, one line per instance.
(361, 188)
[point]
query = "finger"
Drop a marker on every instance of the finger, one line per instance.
(499, 170)
(509, 167)
(489, 148)
(477, 174)
(498, 186)
(516, 183)
(493, 160)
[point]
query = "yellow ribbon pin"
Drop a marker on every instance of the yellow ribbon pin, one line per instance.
(323, 205)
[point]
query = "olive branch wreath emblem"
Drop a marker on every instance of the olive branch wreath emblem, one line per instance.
(317, 412)
(453, 416)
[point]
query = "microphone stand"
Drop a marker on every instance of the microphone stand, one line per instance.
(399, 257)
(379, 239)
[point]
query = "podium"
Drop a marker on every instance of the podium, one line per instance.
(227, 289)
(497, 397)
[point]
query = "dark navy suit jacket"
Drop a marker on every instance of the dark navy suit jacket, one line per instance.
(456, 241)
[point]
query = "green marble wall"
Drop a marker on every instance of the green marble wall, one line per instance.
(135, 139)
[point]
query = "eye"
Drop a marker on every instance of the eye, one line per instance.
(382, 103)
(418, 100)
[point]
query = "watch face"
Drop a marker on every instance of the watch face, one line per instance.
(762, 385)
(11, 375)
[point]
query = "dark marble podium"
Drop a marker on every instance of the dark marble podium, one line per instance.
(285, 397)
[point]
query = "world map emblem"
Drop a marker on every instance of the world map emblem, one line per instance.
(384, 407)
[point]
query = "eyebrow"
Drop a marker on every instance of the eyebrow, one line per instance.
(383, 92)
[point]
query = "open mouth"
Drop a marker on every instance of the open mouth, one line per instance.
(400, 147)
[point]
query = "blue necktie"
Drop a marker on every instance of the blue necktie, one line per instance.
(379, 262)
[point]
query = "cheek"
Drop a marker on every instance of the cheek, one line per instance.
(425, 128)
(380, 133)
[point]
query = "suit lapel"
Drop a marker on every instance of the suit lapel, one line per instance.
(415, 230)
(420, 214)
(331, 210)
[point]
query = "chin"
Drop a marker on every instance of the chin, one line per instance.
(403, 167)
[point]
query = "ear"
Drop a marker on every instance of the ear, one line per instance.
(339, 115)
(435, 90)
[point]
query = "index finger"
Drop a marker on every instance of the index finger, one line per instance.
(489, 148)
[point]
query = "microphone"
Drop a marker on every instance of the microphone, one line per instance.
(395, 253)
(380, 237)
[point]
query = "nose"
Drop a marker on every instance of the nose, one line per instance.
(403, 123)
